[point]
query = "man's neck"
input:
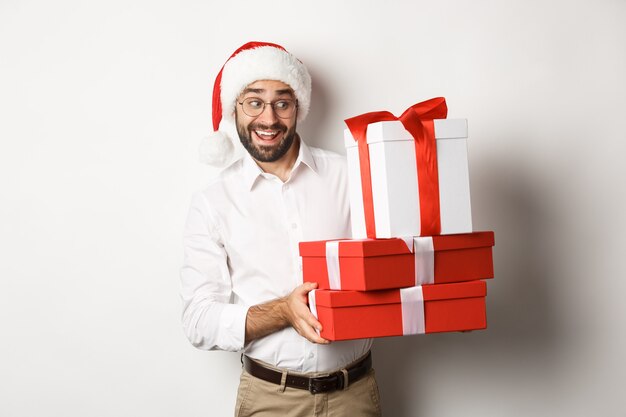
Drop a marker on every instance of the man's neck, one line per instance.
(282, 168)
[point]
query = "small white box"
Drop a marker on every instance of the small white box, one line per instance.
(394, 179)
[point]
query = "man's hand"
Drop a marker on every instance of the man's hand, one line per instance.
(267, 318)
(300, 317)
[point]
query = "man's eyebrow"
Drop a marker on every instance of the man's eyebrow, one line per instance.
(253, 90)
(262, 90)
(285, 91)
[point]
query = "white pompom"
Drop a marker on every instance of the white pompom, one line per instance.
(217, 150)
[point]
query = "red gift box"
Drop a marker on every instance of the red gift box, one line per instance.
(375, 264)
(443, 308)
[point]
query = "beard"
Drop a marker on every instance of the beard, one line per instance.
(270, 153)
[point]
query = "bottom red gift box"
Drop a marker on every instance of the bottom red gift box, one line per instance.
(415, 310)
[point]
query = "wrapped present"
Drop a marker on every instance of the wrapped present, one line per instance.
(415, 310)
(408, 176)
(374, 264)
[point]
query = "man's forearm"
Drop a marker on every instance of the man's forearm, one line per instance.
(264, 319)
(275, 315)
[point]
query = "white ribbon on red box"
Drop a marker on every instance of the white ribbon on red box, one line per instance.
(332, 264)
(424, 254)
(412, 300)
(421, 247)
(313, 305)
(412, 303)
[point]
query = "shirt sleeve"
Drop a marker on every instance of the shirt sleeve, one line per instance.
(209, 320)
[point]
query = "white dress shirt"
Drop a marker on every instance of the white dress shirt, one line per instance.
(241, 249)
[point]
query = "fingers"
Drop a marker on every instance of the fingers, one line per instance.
(302, 320)
(304, 289)
(315, 338)
(308, 325)
(308, 331)
(315, 327)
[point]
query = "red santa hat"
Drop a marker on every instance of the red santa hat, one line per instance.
(252, 62)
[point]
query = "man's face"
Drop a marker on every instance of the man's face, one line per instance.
(266, 137)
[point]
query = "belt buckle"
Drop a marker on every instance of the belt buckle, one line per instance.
(336, 378)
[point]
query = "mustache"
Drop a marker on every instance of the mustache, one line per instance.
(275, 126)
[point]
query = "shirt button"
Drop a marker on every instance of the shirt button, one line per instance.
(294, 226)
(286, 187)
(311, 355)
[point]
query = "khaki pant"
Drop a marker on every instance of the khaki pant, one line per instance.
(260, 398)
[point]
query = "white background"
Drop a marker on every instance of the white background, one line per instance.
(102, 105)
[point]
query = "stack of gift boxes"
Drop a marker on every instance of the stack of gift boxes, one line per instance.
(414, 264)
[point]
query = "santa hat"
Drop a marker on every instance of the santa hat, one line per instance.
(252, 62)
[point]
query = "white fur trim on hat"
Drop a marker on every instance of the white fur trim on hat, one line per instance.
(217, 149)
(264, 63)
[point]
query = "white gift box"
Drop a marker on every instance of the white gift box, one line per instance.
(395, 184)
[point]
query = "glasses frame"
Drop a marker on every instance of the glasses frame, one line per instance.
(271, 103)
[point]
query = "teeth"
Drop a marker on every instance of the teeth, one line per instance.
(265, 133)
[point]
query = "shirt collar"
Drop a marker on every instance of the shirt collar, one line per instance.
(251, 171)
(306, 157)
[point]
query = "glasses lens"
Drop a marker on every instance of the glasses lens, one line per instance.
(284, 108)
(252, 106)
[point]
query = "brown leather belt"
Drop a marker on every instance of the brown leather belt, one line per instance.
(323, 383)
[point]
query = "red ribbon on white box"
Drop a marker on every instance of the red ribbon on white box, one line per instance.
(418, 121)
(420, 246)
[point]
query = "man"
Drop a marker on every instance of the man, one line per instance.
(241, 281)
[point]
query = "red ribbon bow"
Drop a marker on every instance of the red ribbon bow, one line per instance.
(418, 121)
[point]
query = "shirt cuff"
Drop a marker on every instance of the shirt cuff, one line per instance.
(233, 325)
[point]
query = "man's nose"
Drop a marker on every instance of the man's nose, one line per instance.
(268, 115)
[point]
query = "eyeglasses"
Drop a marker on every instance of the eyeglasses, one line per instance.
(284, 109)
